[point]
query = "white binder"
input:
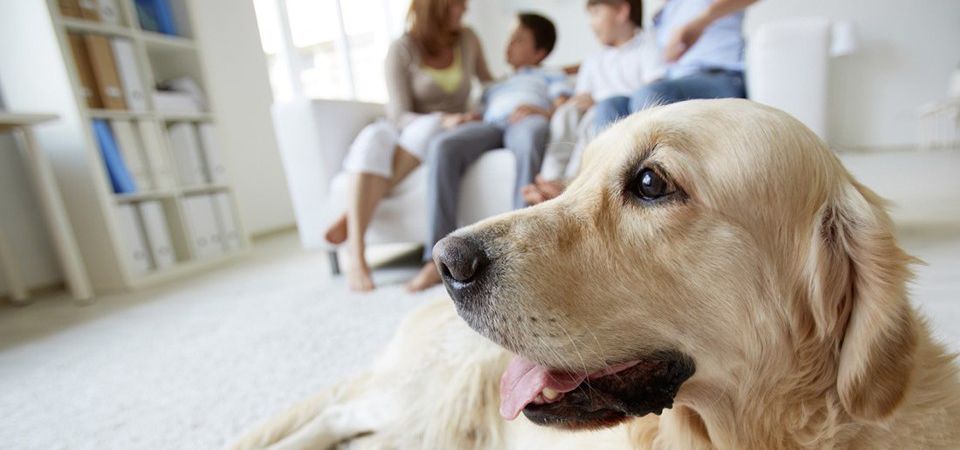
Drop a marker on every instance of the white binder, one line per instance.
(109, 13)
(126, 61)
(216, 170)
(157, 159)
(229, 233)
(158, 234)
(129, 142)
(138, 255)
(204, 230)
(186, 152)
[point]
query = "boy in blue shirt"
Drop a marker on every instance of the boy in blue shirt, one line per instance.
(531, 89)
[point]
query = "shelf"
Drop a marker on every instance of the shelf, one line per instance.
(165, 116)
(143, 196)
(95, 27)
(166, 42)
(48, 78)
(204, 189)
(185, 117)
(8, 118)
(115, 114)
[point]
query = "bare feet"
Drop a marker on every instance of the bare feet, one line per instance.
(337, 233)
(542, 190)
(532, 195)
(428, 276)
(358, 277)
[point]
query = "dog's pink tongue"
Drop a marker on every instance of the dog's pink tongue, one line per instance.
(524, 380)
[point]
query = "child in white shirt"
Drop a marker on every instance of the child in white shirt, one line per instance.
(628, 60)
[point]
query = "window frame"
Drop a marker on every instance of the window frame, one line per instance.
(292, 65)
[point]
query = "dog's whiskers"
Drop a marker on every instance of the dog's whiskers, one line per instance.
(586, 381)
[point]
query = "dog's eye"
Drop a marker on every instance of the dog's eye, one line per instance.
(649, 185)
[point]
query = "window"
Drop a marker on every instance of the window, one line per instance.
(329, 49)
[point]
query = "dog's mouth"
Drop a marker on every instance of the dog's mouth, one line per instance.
(596, 399)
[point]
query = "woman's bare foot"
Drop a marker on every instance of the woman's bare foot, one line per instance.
(337, 233)
(428, 276)
(358, 277)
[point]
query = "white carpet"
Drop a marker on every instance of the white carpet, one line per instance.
(189, 366)
(194, 364)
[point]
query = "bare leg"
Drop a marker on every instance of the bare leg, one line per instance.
(337, 233)
(403, 164)
(366, 193)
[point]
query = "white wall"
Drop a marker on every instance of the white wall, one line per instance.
(22, 221)
(240, 93)
(907, 51)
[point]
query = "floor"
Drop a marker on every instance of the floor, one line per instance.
(193, 364)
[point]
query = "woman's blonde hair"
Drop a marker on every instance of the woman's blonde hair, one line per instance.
(429, 25)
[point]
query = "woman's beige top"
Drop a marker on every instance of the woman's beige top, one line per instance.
(413, 89)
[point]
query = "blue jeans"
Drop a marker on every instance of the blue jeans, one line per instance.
(708, 84)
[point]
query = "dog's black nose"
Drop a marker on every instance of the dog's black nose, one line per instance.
(459, 259)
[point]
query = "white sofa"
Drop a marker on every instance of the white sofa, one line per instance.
(787, 68)
(314, 138)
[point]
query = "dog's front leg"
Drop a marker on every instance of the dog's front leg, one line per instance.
(371, 410)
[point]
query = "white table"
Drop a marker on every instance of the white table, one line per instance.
(58, 223)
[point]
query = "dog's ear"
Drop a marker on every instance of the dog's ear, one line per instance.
(859, 298)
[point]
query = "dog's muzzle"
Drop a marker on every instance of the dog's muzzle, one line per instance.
(462, 263)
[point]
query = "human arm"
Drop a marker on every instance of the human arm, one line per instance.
(558, 92)
(524, 111)
(583, 96)
(687, 35)
(399, 86)
(453, 120)
(583, 101)
(483, 71)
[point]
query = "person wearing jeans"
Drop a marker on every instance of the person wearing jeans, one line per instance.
(702, 40)
(702, 44)
(711, 83)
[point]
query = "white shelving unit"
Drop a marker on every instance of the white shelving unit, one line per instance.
(39, 73)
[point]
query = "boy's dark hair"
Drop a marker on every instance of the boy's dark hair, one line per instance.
(636, 8)
(544, 32)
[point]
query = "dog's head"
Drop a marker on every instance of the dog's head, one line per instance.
(698, 238)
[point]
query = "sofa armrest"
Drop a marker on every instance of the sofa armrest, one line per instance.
(338, 123)
(787, 64)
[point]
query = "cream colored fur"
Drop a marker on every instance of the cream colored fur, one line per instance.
(777, 273)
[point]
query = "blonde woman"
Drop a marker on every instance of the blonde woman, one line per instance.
(429, 73)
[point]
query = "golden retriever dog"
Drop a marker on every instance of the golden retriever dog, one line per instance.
(713, 279)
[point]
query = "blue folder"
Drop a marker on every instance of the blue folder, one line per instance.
(120, 177)
(156, 15)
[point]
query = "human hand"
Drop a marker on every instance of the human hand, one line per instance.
(524, 111)
(452, 120)
(583, 102)
(683, 39)
(559, 101)
(542, 190)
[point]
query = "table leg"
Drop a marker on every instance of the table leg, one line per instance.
(57, 221)
(11, 271)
